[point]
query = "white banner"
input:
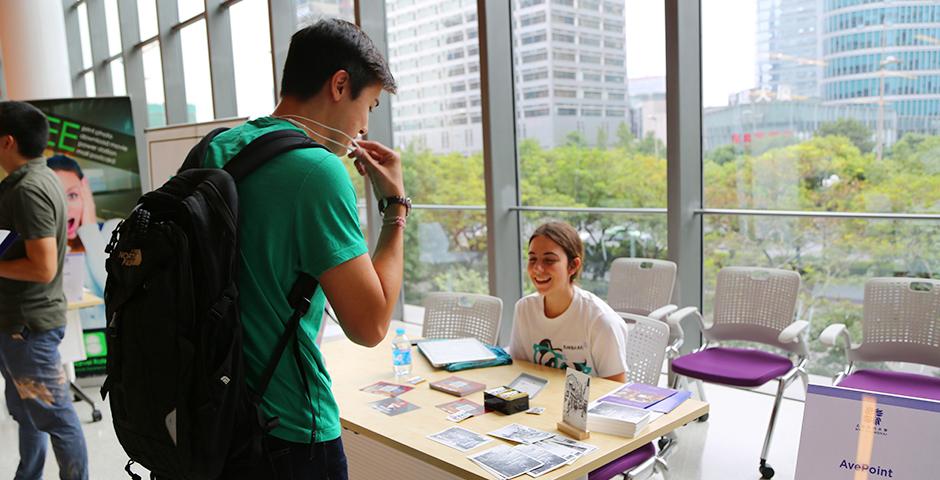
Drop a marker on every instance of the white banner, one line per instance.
(858, 435)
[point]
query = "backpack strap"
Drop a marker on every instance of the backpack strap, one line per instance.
(197, 154)
(299, 299)
(265, 147)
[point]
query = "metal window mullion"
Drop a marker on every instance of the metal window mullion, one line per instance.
(500, 162)
(684, 165)
(74, 45)
(283, 19)
(372, 21)
(221, 59)
(134, 80)
(100, 50)
(171, 53)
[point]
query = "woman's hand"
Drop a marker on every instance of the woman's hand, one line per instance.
(89, 215)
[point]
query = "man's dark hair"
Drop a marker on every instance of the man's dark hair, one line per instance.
(27, 125)
(320, 50)
(61, 163)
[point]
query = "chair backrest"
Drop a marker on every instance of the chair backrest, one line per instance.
(755, 304)
(646, 348)
(460, 315)
(901, 321)
(640, 285)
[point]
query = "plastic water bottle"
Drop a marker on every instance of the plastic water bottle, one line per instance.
(401, 354)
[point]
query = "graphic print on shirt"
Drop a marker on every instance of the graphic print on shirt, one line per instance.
(543, 353)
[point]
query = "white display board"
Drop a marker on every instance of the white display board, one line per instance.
(853, 435)
(167, 147)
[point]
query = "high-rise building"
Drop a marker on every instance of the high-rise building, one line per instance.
(885, 53)
(648, 106)
(570, 71)
(789, 47)
(435, 57)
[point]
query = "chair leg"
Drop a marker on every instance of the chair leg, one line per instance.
(675, 380)
(700, 386)
(666, 443)
(765, 469)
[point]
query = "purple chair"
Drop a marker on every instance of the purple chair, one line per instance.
(754, 305)
(901, 324)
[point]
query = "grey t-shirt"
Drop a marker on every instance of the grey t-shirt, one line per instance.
(32, 205)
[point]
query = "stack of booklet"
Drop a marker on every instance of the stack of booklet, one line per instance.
(627, 410)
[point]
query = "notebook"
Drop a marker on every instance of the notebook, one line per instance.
(443, 352)
(6, 239)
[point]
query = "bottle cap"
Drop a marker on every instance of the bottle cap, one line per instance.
(399, 331)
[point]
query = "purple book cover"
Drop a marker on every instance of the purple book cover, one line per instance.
(638, 395)
(668, 404)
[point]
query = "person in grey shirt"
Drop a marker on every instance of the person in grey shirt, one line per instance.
(32, 301)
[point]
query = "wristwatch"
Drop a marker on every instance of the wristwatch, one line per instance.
(385, 202)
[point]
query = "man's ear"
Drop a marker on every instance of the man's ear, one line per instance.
(7, 142)
(339, 85)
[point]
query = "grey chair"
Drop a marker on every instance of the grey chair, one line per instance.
(461, 315)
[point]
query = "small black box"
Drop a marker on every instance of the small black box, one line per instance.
(505, 400)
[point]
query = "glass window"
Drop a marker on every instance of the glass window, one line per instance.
(117, 77)
(583, 149)
(795, 120)
(147, 17)
(114, 27)
(153, 85)
(251, 47)
(445, 250)
(84, 36)
(196, 74)
(309, 11)
(89, 79)
(187, 9)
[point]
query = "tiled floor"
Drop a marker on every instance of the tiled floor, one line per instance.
(727, 446)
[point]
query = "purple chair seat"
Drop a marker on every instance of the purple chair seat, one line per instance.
(732, 366)
(624, 463)
(898, 383)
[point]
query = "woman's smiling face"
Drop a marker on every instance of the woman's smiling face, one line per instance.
(548, 267)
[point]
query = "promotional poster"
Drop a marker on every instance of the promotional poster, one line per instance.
(93, 151)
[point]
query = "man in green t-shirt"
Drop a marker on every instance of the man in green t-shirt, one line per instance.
(298, 214)
(32, 302)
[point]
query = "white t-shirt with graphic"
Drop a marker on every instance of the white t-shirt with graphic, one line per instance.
(589, 336)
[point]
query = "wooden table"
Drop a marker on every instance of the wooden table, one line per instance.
(353, 367)
(72, 348)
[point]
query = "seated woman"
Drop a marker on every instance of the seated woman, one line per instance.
(562, 325)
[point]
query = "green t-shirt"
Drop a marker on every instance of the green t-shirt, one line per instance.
(32, 205)
(297, 213)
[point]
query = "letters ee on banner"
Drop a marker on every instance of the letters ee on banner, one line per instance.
(858, 435)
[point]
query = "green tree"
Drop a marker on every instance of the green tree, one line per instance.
(625, 137)
(575, 139)
(601, 141)
(650, 145)
(854, 130)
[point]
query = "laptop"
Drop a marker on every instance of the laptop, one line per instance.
(441, 353)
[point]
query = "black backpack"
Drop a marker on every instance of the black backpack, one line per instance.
(179, 400)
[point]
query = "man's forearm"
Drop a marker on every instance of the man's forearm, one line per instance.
(25, 270)
(388, 260)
